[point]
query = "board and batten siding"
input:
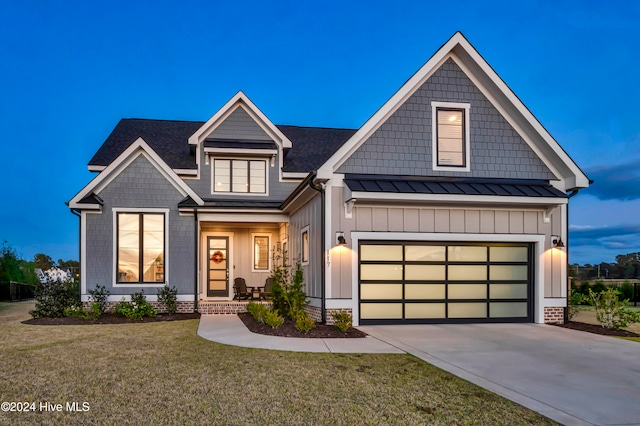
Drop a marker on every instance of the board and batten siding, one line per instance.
(139, 186)
(438, 220)
(309, 215)
(241, 265)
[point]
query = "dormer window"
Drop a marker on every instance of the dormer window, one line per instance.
(450, 136)
(239, 176)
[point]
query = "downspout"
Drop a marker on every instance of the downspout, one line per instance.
(196, 237)
(322, 247)
(77, 213)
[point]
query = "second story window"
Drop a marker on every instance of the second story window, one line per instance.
(240, 176)
(450, 136)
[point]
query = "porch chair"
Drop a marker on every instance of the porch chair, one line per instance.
(240, 289)
(267, 291)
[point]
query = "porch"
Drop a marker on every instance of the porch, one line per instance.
(231, 250)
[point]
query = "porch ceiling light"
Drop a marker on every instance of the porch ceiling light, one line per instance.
(340, 241)
(557, 241)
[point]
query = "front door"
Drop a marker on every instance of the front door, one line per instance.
(218, 269)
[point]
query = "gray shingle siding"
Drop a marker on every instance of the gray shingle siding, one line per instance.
(239, 125)
(402, 145)
(140, 185)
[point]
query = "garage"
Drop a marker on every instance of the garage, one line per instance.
(444, 282)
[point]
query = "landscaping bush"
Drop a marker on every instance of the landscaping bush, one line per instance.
(288, 294)
(273, 319)
(610, 310)
(576, 303)
(136, 309)
(304, 322)
(342, 320)
(598, 287)
(584, 288)
(99, 297)
(626, 290)
(257, 311)
(54, 295)
(77, 312)
(168, 297)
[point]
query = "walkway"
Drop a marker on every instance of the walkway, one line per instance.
(572, 377)
(230, 330)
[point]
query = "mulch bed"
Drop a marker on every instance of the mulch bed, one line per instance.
(597, 329)
(288, 329)
(110, 319)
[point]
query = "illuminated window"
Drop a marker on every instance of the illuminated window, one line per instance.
(261, 252)
(240, 176)
(140, 247)
(305, 245)
(450, 136)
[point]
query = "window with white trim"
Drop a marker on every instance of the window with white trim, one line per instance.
(304, 245)
(239, 176)
(140, 247)
(450, 135)
(261, 258)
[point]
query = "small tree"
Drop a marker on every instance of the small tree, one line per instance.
(289, 297)
(610, 310)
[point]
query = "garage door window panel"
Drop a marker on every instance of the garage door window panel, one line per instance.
(383, 291)
(425, 310)
(425, 291)
(425, 272)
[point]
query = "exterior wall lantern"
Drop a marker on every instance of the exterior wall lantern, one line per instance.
(557, 241)
(340, 241)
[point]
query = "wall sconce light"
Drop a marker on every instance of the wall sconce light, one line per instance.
(340, 241)
(557, 241)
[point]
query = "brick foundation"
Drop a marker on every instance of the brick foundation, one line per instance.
(182, 307)
(225, 308)
(553, 315)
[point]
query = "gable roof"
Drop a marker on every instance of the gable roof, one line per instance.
(167, 138)
(311, 146)
(87, 198)
(494, 89)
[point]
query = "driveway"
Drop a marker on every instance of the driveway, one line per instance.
(569, 376)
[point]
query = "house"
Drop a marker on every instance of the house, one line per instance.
(448, 205)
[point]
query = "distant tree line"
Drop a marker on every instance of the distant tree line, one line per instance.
(14, 268)
(626, 266)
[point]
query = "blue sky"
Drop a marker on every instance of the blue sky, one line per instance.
(71, 69)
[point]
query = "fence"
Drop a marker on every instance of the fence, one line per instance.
(15, 292)
(629, 289)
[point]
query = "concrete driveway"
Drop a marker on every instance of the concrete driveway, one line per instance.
(569, 376)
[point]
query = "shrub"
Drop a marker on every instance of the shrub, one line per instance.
(99, 295)
(77, 312)
(136, 309)
(626, 290)
(168, 297)
(288, 294)
(304, 322)
(584, 288)
(53, 296)
(598, 287)
(257, 311)
(342, 320)
(273, 319)
(576, 300)
(610, 310)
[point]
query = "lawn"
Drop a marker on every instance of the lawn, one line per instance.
(163, 373)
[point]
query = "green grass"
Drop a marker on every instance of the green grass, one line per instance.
(163, 373)
(633, 339)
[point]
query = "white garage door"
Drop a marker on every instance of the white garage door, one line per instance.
(425, 282)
